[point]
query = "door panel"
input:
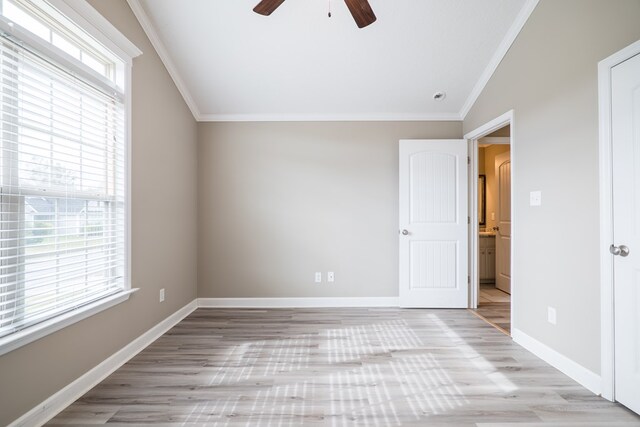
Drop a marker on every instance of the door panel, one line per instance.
(433, 187)
(432, 265)
(626, 230)
(433, 211)
(503, 235)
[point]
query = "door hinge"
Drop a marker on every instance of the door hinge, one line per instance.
(469, 279)
(468, 220)
(468, 160)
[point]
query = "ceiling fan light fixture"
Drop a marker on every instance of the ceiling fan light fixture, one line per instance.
(360, 10)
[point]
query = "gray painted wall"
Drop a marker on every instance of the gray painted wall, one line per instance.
(280, 201)
(549, 77)
(163, 240)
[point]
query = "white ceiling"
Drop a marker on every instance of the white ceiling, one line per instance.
(297, 64)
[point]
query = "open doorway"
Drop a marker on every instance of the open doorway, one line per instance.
(490, 228)
(494, 228)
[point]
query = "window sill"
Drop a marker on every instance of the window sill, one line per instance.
(26, 336)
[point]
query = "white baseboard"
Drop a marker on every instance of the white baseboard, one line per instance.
(573, 370)
(298, 302)
(63, 398)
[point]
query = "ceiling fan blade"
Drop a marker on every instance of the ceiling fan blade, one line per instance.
(361, 11)
(266, 7)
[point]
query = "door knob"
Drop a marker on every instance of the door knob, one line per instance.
(621, 250)
(495, 228)
(404, 232)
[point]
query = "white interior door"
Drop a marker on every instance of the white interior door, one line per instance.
(625, 91)
(433, 223)
(503, 233)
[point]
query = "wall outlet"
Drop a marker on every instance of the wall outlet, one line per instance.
(162, 295)
(493, 216)
(331, 277)
(318, 277)
(535, 198)
(551, 315)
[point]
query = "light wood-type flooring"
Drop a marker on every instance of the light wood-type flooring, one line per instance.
(494, 306)
(339, 367)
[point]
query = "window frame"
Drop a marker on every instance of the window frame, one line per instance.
(89, 20)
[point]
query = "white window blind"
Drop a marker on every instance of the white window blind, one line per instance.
(62, 183)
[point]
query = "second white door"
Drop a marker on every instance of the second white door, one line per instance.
(503, 233)
(625, 90)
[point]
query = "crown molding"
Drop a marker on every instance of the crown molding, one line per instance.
(156, 42)
(498, 56)
(380, 117)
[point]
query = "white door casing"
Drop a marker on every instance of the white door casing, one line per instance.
(433, 223)
(503, 234)
(506, 119)
(625, 134)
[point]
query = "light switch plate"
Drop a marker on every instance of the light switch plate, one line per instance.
(318, 277)
(535, 198)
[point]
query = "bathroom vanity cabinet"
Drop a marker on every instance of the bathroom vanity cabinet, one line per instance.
(487, 259)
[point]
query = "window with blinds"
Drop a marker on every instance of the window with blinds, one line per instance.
(62, 168)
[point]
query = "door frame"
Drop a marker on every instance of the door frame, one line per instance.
(472, 138)
(607, 313)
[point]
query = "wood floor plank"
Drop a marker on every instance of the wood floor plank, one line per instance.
(373, 367)
(494, 306)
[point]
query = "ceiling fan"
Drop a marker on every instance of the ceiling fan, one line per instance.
(360, 10)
